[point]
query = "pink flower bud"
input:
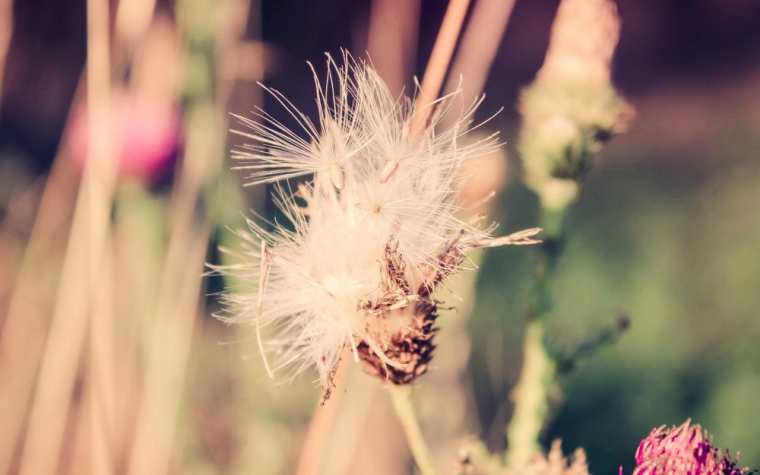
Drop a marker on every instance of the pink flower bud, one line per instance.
(145, 136)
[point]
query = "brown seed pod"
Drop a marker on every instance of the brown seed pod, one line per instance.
(407, 351)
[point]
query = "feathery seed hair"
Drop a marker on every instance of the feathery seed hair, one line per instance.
(373, 233)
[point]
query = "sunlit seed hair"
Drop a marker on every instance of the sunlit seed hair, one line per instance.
(373, 232)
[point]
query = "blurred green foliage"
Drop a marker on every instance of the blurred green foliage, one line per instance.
(675, 246)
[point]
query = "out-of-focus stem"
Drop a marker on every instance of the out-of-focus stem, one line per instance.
(478, 48)
(101, 385)
(438, 64)
(392, 39)
(401, 396)
(85, 246)
(169, 350)
(321, 424)
(132, 21)
(530, 396)
(100, 380)
(567, 113)
(6, 30)
(22, 340)
(537, 377)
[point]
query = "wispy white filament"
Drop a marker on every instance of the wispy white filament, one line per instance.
(372, 186)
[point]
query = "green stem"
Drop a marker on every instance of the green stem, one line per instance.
(401, 396)
(531, 397)
(531, 394)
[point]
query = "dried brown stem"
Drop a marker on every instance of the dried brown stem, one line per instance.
(86, 245)
(479, 45)
(322, 421)
(438, 64)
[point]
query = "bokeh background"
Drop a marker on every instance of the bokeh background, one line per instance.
(666, 231)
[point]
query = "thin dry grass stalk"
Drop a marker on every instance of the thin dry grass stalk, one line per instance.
(6, 31)
(480, 42)
(22, 340)
(168, 350)
(438, 64)
(321, 424)
(86, 245)
(101, 369)
(392, 40)
(132, 21)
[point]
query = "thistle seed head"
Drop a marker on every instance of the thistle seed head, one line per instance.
(370, 236)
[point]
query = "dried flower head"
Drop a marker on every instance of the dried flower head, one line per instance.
(370, 237)
(682, 450)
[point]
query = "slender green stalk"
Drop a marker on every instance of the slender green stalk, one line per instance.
(401, 396)
(568, 113)
(531, 397)
(531, 394)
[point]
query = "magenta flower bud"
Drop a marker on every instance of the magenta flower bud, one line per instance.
(682, 450)
(145, 136)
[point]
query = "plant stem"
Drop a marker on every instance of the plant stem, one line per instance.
(401, 396)
(438, 64)
(323, 422)
(531, 394)
(82, 260)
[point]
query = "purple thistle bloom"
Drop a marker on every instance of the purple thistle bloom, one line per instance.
(682, 450)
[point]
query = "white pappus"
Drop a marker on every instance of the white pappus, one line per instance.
(372, 232)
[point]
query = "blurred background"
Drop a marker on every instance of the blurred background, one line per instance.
(116, 188)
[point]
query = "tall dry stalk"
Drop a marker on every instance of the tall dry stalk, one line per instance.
(479, 45)
(6, 32)
(438, 64)
(322, 423)
(168, 351)
(392, 40)
(133, 18)
(101, 397)
(22, 340)
(86, 245)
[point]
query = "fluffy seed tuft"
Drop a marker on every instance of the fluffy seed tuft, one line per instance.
(369, 238)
